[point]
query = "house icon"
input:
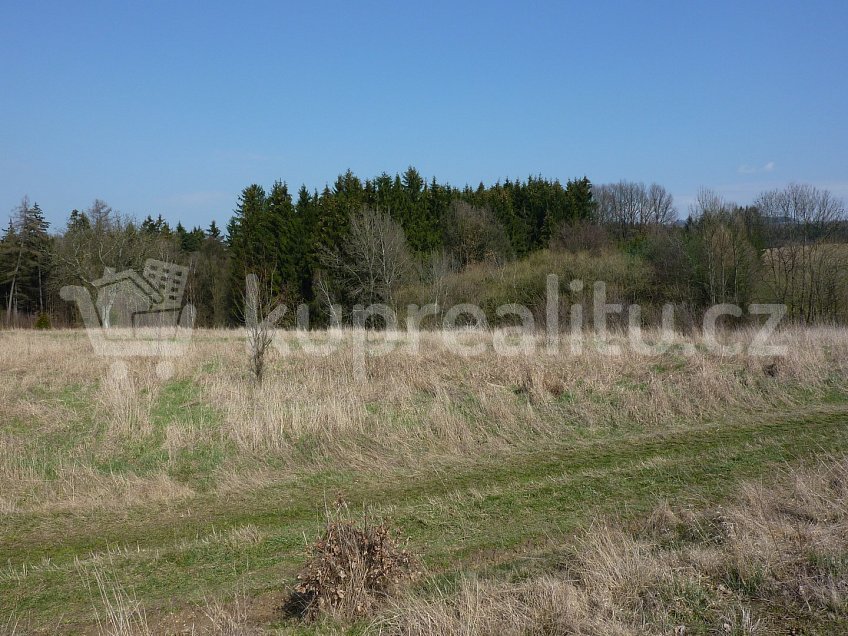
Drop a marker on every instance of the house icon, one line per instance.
(150, 299)
(137, 302)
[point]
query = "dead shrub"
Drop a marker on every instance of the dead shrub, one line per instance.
(351, 569)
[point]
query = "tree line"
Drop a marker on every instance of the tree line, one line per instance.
(375, 240)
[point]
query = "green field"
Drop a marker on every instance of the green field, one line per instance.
(174, 503)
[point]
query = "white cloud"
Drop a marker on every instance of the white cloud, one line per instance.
(746, 169)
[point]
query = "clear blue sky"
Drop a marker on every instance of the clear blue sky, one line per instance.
(174, 107)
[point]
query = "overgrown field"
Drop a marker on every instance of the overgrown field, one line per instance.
(553, 494)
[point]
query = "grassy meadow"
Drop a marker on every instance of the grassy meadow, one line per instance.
(680, 493)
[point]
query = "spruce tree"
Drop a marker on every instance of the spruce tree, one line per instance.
(25, 260)
(9, 267)
(305, 247)
(79, 222)
(249, 245)
(36, 242)
(282, 225)
(579, 198)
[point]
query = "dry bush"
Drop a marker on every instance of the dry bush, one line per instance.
(258, 344)
(581, 236)
(351, 570)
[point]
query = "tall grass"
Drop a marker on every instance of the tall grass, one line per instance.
(77, 437)
(77, 444)
(771, 562)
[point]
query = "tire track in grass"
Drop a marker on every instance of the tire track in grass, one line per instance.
(481, 514)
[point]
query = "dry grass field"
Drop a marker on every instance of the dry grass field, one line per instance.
(686, 492)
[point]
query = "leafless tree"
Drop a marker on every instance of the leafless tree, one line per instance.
(102, 240)
(802, 266)
(475, 235)
(628, 205)
(374, 260)
(619, 204)
(726, 255)
(259, 321)
(325, 294)
(660, 205)
(437, 267)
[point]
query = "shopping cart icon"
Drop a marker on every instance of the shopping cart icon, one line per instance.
(136, 315)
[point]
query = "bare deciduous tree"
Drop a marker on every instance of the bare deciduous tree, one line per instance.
(726, 256)
(660, 205)
(802, 267)
(258, 321)
(438, 266)
(475, 235)
(374, 260)
(627, 205)
(98, 241)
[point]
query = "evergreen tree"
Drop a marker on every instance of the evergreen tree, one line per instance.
(188, 242)
(148, 226)
(181, 234)
(412, 182)
(305, 242)
(10, 256)
(576, 203)
(209, 290)
(334, 211)
(37, 259)
(283, 225)
(24, 259)
(251, 246)
(580, 200)
(78, 221)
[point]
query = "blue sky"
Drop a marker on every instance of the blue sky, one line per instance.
(174, 107)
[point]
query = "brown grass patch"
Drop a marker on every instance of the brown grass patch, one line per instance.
(776, 559)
